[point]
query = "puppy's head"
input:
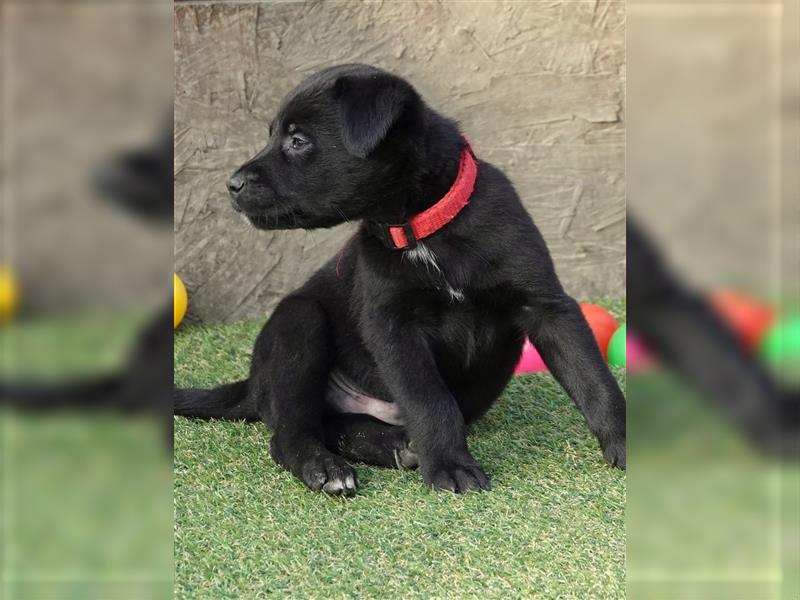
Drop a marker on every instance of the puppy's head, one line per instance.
(339, 149)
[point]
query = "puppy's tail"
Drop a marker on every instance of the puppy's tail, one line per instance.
(230, 402)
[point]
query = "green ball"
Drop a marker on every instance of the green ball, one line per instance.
(617, 348)
(782, 342)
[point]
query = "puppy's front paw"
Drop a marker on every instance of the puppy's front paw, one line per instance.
(330, 474)
(405, 457)
(457, 477)
(614, 451)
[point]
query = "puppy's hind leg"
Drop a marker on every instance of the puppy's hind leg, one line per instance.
(364, 439)
(291, 365)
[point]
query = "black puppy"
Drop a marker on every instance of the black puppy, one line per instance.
(414, 328)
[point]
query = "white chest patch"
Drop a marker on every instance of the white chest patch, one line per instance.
(455, 295)
(422, 254)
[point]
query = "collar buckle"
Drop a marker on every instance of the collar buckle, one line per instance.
(383, 231)
(411, 239)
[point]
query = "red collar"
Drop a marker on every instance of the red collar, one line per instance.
(431, 220)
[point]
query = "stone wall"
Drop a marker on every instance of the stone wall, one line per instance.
(538, 88)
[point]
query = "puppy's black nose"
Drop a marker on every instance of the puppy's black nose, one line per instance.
(236, 183)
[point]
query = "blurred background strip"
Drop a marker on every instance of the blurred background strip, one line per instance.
(712, 155)
(85, 478)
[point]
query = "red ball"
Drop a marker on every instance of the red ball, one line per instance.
(747, 317)
(602, 324)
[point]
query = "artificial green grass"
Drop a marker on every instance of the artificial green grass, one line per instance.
(551, 527)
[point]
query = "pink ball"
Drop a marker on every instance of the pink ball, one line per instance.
(529, 361)
(638, 356)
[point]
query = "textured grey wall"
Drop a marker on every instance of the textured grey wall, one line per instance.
(537, 86)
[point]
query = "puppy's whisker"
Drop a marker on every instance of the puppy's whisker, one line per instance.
(341, 212)
(289, 210)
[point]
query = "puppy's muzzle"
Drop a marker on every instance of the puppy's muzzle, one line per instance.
(237, 186)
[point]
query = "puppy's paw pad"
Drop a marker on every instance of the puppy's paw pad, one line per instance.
(331, 475)
(615, 453)
(459, 479)
(405, 457)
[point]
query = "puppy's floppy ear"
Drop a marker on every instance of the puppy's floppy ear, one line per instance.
(369, 105)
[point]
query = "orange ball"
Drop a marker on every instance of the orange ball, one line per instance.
(602, 324)
(747, 317)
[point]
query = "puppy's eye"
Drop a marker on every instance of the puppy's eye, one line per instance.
(297, 142)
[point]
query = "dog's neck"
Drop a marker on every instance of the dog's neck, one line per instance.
(432, 171)
(439, 168)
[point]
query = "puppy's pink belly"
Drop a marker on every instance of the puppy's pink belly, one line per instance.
(344, 397)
